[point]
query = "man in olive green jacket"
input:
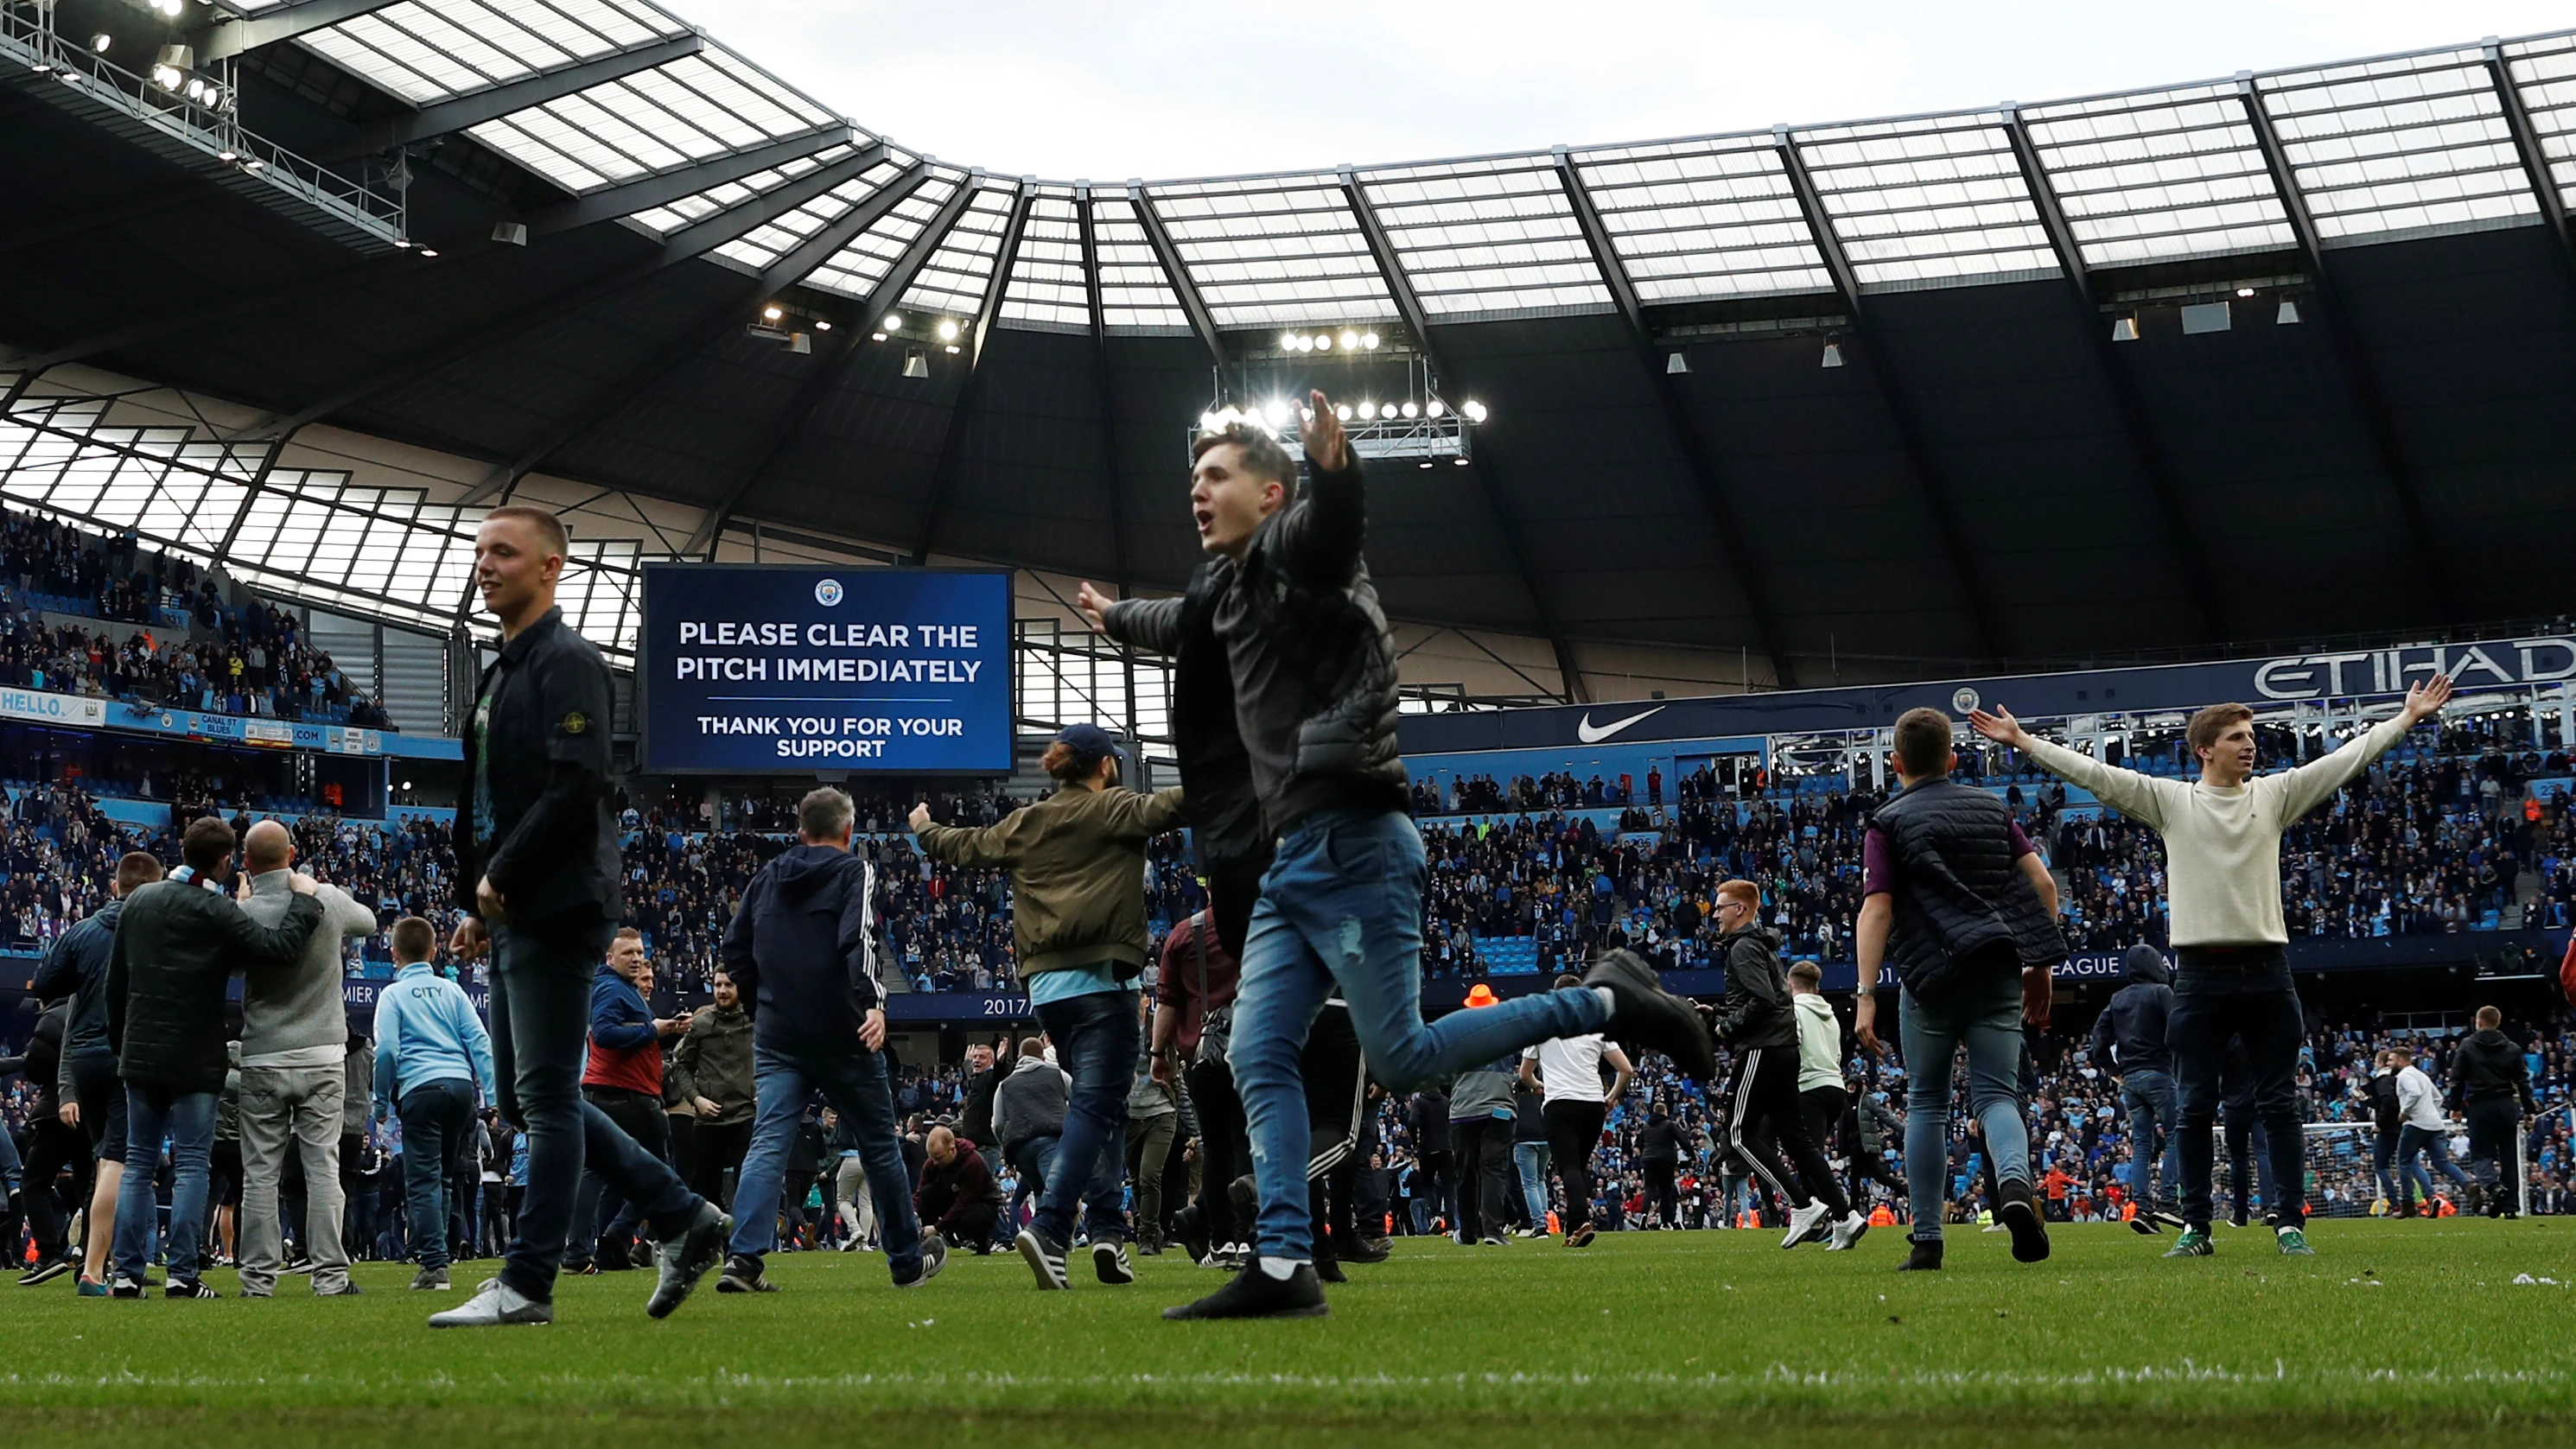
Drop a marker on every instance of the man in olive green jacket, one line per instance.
(1077, 863)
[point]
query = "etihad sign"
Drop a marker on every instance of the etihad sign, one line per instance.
(2393, 671)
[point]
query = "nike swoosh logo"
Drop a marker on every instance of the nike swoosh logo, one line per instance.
(1592, 734)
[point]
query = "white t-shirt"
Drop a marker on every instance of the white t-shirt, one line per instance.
(1569, 1068)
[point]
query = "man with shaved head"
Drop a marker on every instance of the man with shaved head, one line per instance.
(295, 1045)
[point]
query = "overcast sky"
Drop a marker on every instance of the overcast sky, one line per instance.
(1078, 89)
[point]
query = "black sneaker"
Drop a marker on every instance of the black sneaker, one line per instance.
(1360, 1250)
(934, 1256)
(1926, 1257)
(1647, 1014)
(686, 1258)
(45, 1272)
(125, 1287)
(1109, 1260)
(2145, 1225)
(2020, 1214)
(742, 1275)
(187, 1288)
(1329, 1271)
(1253, 1293)
(1044, 1256)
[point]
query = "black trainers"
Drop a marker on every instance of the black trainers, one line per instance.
(2020, 1214)
(45, 1272)
(125, 1287)
(1253, 1293)
(1109, 1260)
(1328, 1270)
(188, 1288)
(1926, 1257)
(1360, 1250)
(1647, 1014)
(1044, 1256)
(934, 1256)
(742, 1275)
(685, 1259)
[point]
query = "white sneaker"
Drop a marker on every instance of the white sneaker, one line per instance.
(1804, 1221)
(1994, 1228)
(1847, 1232)
(495, 1303)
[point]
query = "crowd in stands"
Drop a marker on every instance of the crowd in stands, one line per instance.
(188, 641)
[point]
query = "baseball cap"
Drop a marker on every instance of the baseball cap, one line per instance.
(1089, 741)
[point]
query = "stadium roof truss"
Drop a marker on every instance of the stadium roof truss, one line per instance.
(633, 114)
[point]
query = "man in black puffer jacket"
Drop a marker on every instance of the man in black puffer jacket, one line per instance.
(52, 1145)
(177, 943)
(2129, 1043)
(1758, 1024)
(1284, 600)
(2491, 1085)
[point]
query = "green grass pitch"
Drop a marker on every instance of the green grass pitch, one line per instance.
(2397, 1332)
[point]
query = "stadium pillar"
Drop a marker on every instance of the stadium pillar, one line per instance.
(2200, 585)
(1686, 431)
(1005, 257)
(1515, 540)
(829, 371)
(1928, 477)
(2361, 383)
(2535, 159)
(1108, 404)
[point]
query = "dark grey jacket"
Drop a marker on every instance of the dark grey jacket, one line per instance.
(1309, 656)
(1030, 1103)
(1755, 1010)
(2129, 1035)
(77, 967)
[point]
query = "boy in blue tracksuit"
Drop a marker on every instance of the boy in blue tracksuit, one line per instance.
(431, 1050)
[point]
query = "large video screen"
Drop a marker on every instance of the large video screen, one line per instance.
(750, 668)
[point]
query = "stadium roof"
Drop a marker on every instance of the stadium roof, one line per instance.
(2256, 358)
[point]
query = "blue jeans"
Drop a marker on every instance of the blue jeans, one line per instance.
(2255, 1000)
(435, 1118)
(2412, 1144)
(188, 1120)
(1529, 1159)
(2154, 1108)
(1341, 911)
(1986, 1016)
(853, 1079)
(540, 1034)
(1095, 1036)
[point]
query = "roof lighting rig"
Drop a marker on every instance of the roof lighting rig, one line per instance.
(1382, 390)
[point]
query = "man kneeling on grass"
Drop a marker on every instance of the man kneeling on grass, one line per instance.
(1953, 892)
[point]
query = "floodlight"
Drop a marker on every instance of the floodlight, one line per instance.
(429, 251)
(1277, 412)
(1434, 408)
(1287, 341)
(772, 312)
(1833, 355)
(947, 329)
(916, 363)
(1342, 411)
(2245, 291)
(1369, 341)
(227, 156)
(892, 323)
(822, 324)
(876, 337)
(2124, 329)
(1460, 462)
(2289, 313)
(1350, 341)
(1207, 422)
(1323, 342)
(1410, 410)
(1368, 412)
(1676, 364)
(1425, 463)
(101, 41)
(1474, 410)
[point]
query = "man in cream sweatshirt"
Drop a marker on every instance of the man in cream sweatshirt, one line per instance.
(2222, 838)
